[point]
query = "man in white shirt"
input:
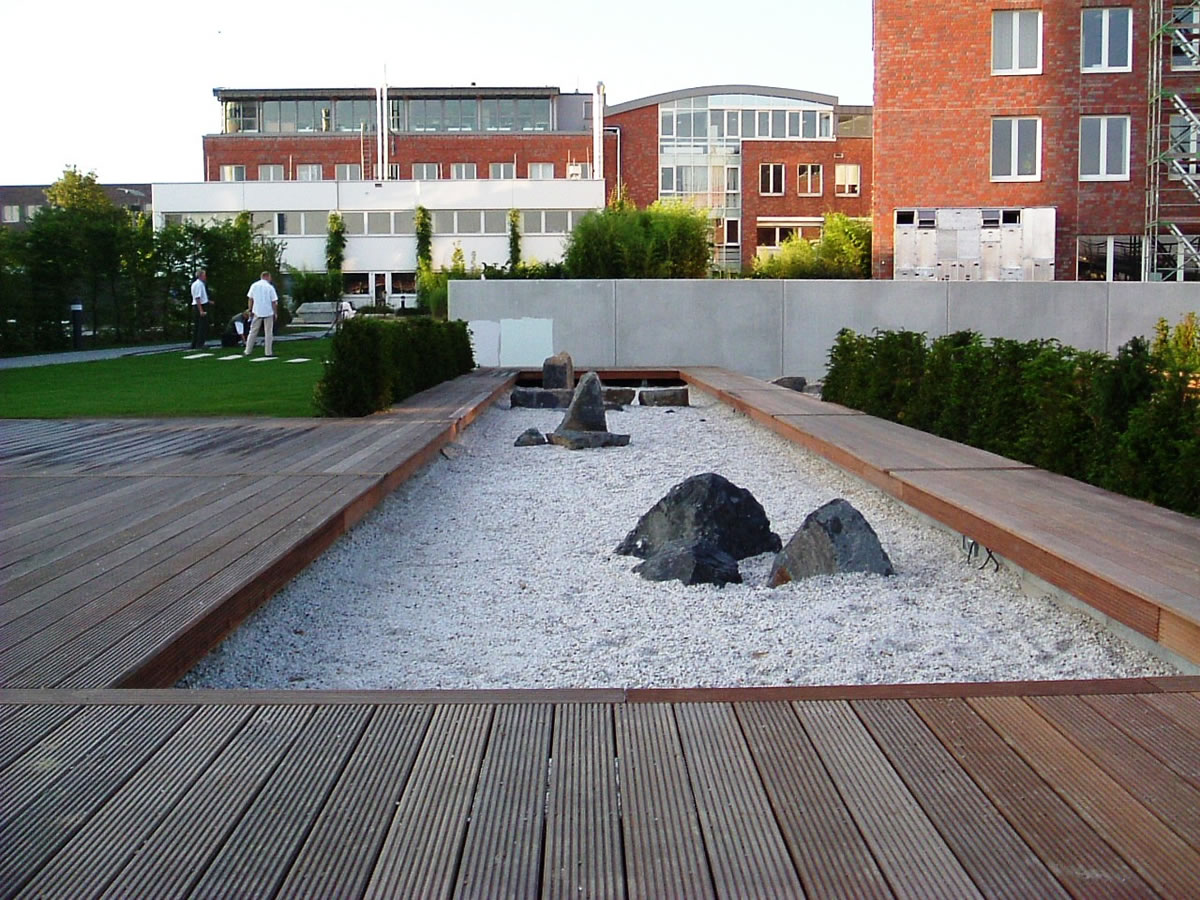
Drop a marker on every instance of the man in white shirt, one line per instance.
(199, 313)
(264, 304)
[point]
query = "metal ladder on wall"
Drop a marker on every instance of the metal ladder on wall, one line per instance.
(1173, 163)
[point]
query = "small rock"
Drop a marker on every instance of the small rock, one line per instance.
(669, 396)
(558, 372)
(586, 440)
(792, 382)
(692, 563)
(530, 437)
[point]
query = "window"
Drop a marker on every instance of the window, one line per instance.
(314, 115)
(531, 221)
(288, 223)
(1104, 148)
(815, 124)
(233, 173)
(240, 117)
(556, 221)
(309, 172)
(379, 223)
(462, 171)
(770, 178)
(502, 170)
(406, 221)
(425, 172)
(1017, 42)
(733, 232)
(353, 222)
(468, 221)
(31, 210)
(316, 221)
(808, 179)
(396, 119)
(1184, 147)
(495, 221)
(773, 235)
(1185, 43)
(443, 221)
(1017, 149)
(847, 179)
(354, 115)
(1107, 40)
(347, 172)
(12, 213)
(541, 171)
(270, 173)
(1109, 258)
(579, 171)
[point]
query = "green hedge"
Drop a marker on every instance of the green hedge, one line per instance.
(1129, 423)
(377, 362)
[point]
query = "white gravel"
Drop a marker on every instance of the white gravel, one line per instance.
(494, 569)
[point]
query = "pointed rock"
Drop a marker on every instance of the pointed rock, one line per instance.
(834, 538)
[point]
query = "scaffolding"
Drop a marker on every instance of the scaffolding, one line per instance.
(1172, 137)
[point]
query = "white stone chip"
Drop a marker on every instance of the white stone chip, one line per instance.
(495, 569)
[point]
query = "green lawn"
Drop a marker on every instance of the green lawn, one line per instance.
(166, 384)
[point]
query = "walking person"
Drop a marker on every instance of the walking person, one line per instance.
(264, 304)
(199, 311)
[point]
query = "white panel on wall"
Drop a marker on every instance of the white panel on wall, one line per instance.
(526, 342)
(485, 340)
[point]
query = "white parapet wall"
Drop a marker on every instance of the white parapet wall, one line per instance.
(770, 328)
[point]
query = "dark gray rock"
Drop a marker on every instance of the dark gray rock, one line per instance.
(792, 382)
(694, 563)
(586, 412)
(833, 539)
(558, 372)
(530, 437)
(586, 440)
(539, 398)
(666, 396)
(704, 509)
(615, 397)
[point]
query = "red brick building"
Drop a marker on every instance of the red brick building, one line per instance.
(765, 162)
(1036, 139)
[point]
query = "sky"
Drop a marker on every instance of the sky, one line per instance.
(125, 88)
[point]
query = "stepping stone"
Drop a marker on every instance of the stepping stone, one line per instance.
(300, 359)
(228, 358)
(263, 358)
(197, 355)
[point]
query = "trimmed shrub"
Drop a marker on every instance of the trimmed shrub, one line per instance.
(377, 362)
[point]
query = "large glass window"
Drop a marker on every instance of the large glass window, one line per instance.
(348, 172)
(1016, 149)
(1017, 42)
(314, 115)
(505, 170)
(1185, 42)
(270, 173)
(354, 115)
(233, 173)
(495, 221)
(379, 223)
(1109, 258)
(498, 115)
(309, 172)
(468, 221)
(462, 171)
(770, 178)
(556, 221)
(240, 117)
(1104, 148)
(316, 221)
(1107, 40)
(541, 171)
(425, 172)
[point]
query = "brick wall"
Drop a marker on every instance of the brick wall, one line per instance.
(935, 97)
(639, 153)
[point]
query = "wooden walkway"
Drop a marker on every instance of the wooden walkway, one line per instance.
(1138, 564)
(1041, 790)
(128, 548)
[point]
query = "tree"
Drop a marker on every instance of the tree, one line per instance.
(665, 240)
(76, 191)
(423, 225)
(514, 239)
(843, 251)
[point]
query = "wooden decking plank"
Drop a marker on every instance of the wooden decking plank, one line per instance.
(32, 839)
(1183, 708)
(664, 845)
(125, 640)
(339, 853)
(88, 496)
(256, 856)
(92, 608)
(53, 757)
(420, 854)
(173, 857)
(26, 496)
(827, 848)
(115, 532)
(1147, 720)
(1164, 861)
(384, 442)
(994, 855)
(909, 850)
(1154, 785)
(1083, 863)
(88, 862)
(126, 563)
(583, 826)
(502, 854)
(23, 726)
(746, 852)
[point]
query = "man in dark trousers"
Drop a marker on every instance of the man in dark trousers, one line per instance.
(200, 311)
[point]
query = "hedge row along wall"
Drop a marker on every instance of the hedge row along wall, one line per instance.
(1129, 423)
(377, 362)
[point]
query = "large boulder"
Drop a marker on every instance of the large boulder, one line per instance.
(558, 372)
(585, 425)
(833, 539)
(703, 509)
(692, 563)
(540, 398)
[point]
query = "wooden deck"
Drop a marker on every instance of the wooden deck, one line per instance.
(128, 548)
(1138, 564)
(1038, 790)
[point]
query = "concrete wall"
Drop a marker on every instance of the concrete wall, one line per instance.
(770, 328)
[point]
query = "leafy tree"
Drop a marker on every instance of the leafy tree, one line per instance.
(843, 251)
(335, 254)
(514, 239)
(665, 240)
(423, 225)
(76, 191)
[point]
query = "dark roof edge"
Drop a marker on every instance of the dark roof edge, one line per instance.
(222, 93)
(855, 110)
(762, 90)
